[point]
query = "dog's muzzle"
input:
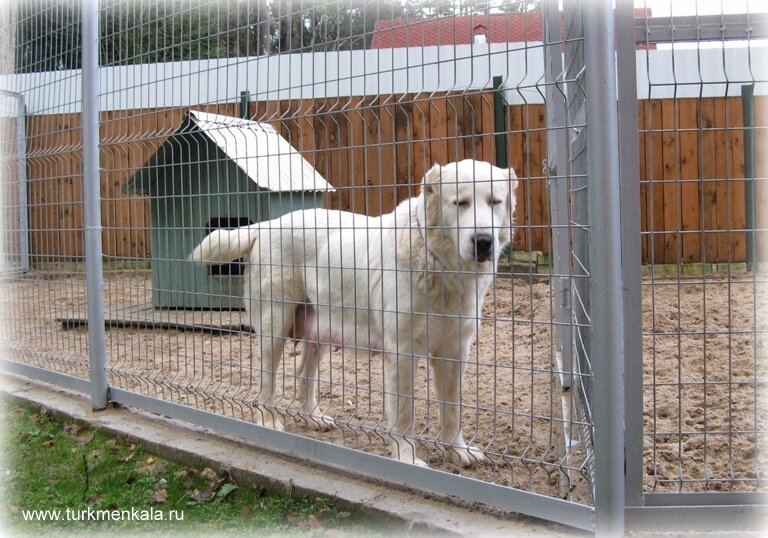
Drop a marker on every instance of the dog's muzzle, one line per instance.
(483, 244)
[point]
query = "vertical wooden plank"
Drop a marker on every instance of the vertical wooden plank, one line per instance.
(735, 115)
(338, 140)
(488, 151)
(153, 124)
(371, 145)
(455, 132)
(407, 183)
(108, 163)
(537, 189)
(472, 127)
(544, 224)
(422, 149)
(320, 126)
(654, 158)
(388, 181)
(722, 187)
(355, 188)
(709, 179)
(273, 115)
(438, 130)
(76, 219)
(642, 138)
(671, 181)
(340, 161)
(63, 184)
(138, 128)
(761, 177)
(690, 207)
(34, 169)
(302, 117)
(516, 141)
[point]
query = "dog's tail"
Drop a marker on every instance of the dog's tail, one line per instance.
(222, 246)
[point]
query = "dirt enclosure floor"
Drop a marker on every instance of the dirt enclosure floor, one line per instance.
(705, 368)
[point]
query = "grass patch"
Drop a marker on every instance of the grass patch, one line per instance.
(99, 483)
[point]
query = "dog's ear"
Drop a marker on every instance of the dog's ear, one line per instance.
(431, 178)
(506, 233)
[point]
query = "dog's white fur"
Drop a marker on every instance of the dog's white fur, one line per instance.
(407, 285)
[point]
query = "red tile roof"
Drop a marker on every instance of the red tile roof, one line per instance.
(498, 28)
(461, 29)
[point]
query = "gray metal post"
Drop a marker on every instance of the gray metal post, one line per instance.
(94, 279)
(605, 248)
(21, 153)
(557, 185)
(631, 258)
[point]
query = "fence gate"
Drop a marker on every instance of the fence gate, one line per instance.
(620, 352)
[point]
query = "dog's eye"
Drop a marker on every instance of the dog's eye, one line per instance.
(461, 203)
(495, 201)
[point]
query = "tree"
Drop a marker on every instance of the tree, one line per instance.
(48, 33)
(48, 36)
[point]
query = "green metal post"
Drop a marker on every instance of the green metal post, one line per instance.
(500, 123)
(244, 98)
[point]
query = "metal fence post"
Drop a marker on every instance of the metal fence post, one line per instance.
(500, 122)
(605, 248)
(631, 255)
(94, 278)
(557, 186)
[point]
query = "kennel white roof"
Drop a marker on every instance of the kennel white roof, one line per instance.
(259, 150)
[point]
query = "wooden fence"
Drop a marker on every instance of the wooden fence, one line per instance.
(374, 150)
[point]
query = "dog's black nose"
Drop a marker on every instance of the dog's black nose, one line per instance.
(483, 247)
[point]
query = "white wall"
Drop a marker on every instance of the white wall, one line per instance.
(660, 73)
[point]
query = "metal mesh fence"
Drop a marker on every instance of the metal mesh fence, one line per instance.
(220, 115)
(704, 292)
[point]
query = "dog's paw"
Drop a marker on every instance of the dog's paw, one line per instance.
(317, 421)
(405, 453)
(464, 456)
(413, 460)
(268, 419)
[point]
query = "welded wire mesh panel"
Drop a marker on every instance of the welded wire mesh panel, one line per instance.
(345, 107)
(42, 275)
(217, 116)
(702, 118)
(568, 203)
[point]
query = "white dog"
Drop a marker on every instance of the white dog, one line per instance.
(407, 285)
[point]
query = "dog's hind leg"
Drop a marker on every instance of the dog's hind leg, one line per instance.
(274, 319)
(398, 406)
(309, 412)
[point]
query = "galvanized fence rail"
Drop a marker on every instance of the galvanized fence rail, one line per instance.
(600, 394)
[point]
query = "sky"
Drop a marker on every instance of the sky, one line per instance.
(679, 8)
(660, 8)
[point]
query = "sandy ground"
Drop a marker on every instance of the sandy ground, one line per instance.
(705, 372)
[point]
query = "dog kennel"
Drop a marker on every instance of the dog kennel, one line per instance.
(213, 172)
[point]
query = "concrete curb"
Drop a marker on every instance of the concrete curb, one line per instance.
(181, 441)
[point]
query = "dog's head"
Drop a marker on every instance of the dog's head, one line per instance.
(469, 206)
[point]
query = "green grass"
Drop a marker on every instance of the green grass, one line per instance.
(52, 465)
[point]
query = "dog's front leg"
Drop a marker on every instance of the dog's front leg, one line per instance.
(310, 413)
(448, 376)
(271, 349)
(398, 405)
